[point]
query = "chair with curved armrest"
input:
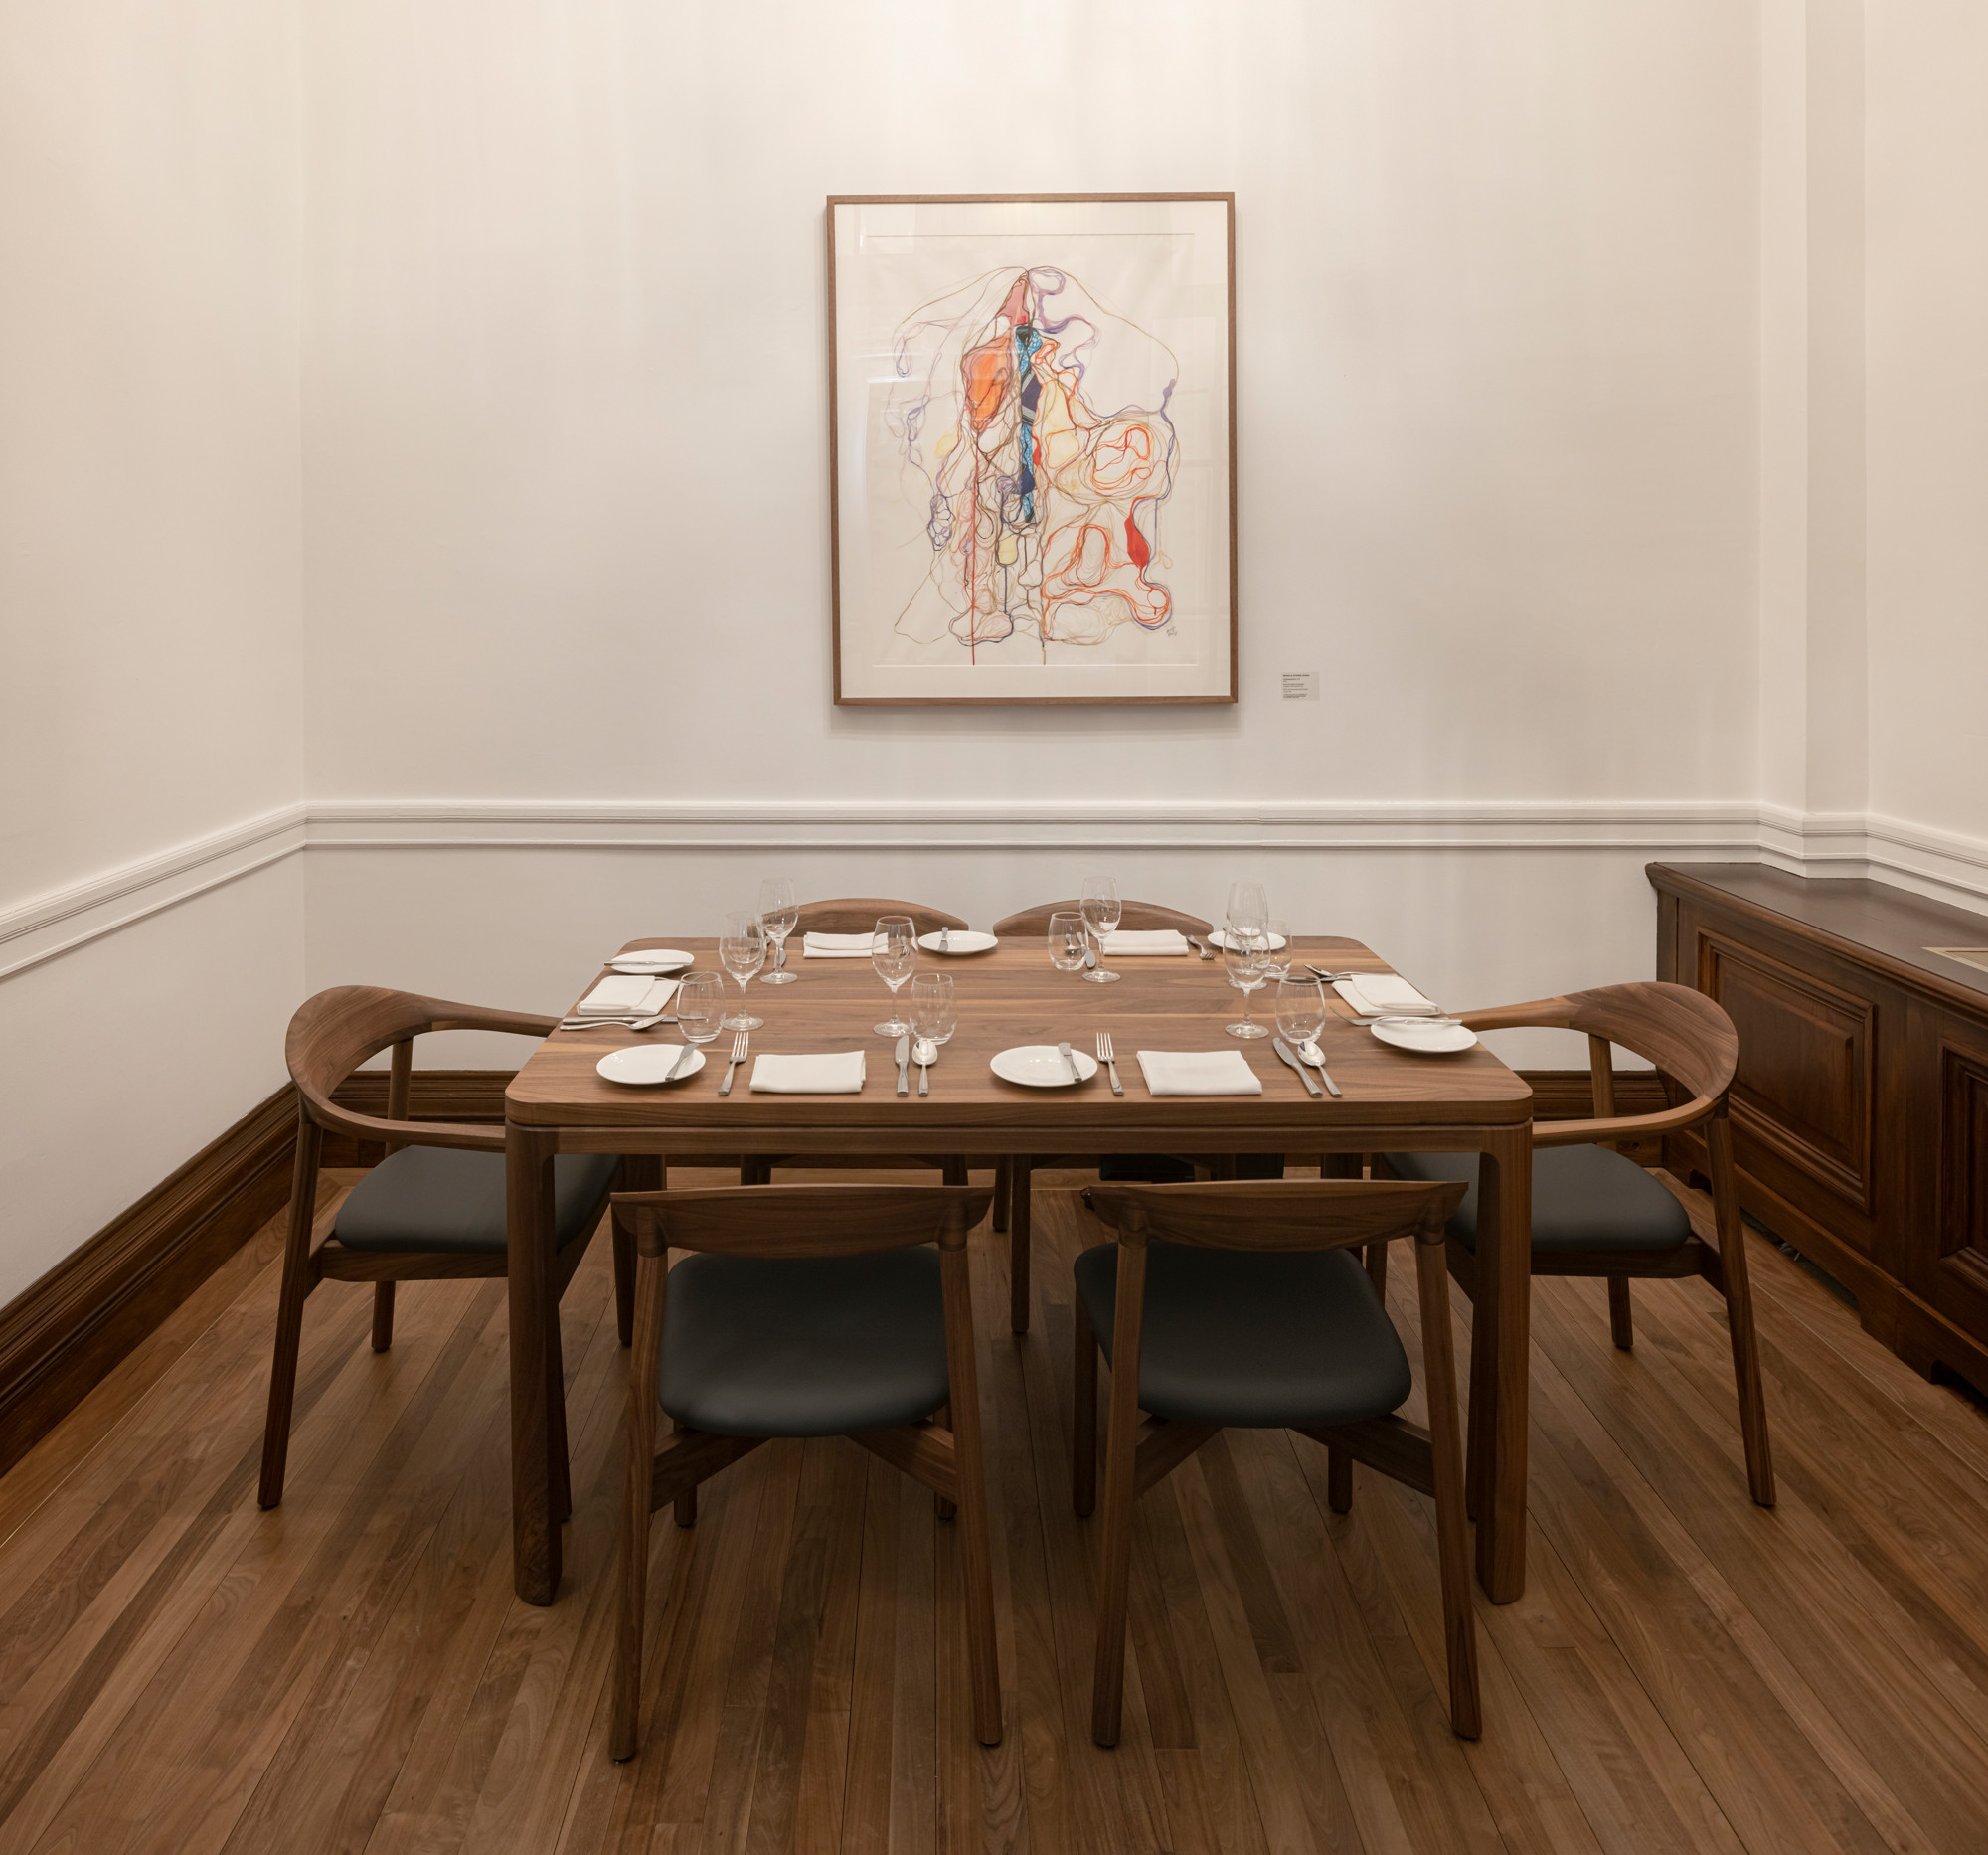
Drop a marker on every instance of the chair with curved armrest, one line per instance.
(1134, 918)
(432, 1209)
(1239, 1305)
(803, 1310)
(1599, 1213)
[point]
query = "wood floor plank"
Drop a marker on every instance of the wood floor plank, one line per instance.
(353, 1672)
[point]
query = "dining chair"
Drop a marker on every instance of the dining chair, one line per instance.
(857, 914)
(433, 1209)
(803, 1310)
(1239, 1305)
(1596, 1212)
(1013, 1173)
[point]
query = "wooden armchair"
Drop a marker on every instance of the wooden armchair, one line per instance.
(1597, 1212)
(432, 1210)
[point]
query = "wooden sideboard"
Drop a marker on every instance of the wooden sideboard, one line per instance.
(1860, 1109)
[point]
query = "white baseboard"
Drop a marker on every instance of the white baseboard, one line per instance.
(1945, 866)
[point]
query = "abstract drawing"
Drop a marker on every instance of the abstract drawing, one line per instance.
(1032, 449)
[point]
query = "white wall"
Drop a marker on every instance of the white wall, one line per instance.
(149, 596)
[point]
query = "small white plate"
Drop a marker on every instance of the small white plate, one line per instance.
(1041, 1066)
(1217, 938)
(964, 940)
(652, 961)
(1427, 1037)
(648, 1063)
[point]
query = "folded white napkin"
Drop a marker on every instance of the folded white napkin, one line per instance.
(1386, 995)
(627, 994)
(837, 1072)
(1197, 1072)
(1127, 941)
(837, 946)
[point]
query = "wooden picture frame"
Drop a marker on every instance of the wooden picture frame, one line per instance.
(1032, 447)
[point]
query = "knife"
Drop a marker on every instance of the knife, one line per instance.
(1284, 1055)
(1076, 1075)
(945, 938)
(1314, 1054)
(904, 1055)
(683, 1057)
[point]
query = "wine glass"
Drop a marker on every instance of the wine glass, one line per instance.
(934, 1009)
(742, 952)
(1070, 941)
(1277, 959)
(699, 1003)
(1246, 906)
(894, 952)
(1101, 910)
(779, 910)
(1242, 962)
(1301, 1011)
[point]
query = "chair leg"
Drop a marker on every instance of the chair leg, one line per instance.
(976, 1565)
(1377, 1269)
(1083, 1418)
(290, 1311)
(1114, 1548)
(1739, 1312)
(1459, 1620)
(637, 1478)
(1001, 1194)
(942, 1507)
(1483, 1392)
(624, 1283)
(383, 1316)
(1017, 1244)
(1338, 1480)
(1621, 1325)
(685, 1508)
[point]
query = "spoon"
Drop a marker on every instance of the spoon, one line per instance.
(925, 1052)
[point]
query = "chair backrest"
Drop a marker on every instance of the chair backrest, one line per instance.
(803, 1220)
(858, 913)
(335, 1030)
(1276, 1213)
(1138, 917)
(1687, 1035)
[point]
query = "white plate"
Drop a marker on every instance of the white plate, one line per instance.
(1217, 939)
(652, 961)
(648, 1063)
(1041, 1066)
(1427, 1037)
(964, 940)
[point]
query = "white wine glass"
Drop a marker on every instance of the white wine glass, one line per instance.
(1277, 954)
(779, 910)
(699, 1004)
(1301, 1011)
(894, 952)
(1247, 909)
(1242, 962)
(1102, 912)
(742, 952)
(1070, 941)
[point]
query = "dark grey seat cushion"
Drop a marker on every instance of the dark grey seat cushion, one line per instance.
(805, 1346)
(1257, 1339)
(439, 1198)
(1584, 1198)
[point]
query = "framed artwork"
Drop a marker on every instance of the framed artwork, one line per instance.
(1032, 447)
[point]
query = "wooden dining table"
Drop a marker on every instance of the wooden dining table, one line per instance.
(1392, 1101)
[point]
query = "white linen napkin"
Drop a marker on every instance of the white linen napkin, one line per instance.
(836, 945)
(1386, 995)
(1127, 942)
(1197, 1072)
(836, 1071)
(627, 994)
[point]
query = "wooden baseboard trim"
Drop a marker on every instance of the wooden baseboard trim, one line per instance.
(64, 1333)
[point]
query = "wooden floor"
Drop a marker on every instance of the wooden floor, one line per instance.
(179, 1671)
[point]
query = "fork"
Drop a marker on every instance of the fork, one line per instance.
(1106, 1056)
(740, 1038)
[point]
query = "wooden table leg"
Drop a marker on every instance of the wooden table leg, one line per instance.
(534, 1536)
(1500, 1343)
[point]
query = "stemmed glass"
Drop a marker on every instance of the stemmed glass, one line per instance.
(1243, 957)
(893, 952)
(1277, 959)
(742, 952)
(1248, 910)
(1301, 1011)
(697, 1004)
(779, 910)
(1070, 940)
(1101, 911)
(934, 1009)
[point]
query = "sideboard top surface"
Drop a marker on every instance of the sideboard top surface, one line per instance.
(1859, 915)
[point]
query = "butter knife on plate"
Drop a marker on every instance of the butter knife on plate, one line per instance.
(904, 1055)
(1286, 1054)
